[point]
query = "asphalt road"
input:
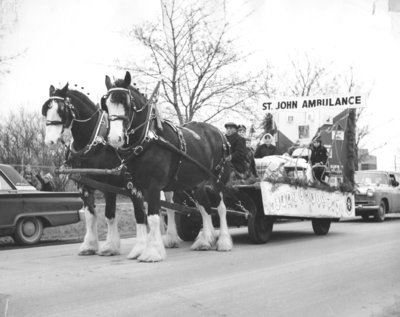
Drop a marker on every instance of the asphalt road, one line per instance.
(353, 271)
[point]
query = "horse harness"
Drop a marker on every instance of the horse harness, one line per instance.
(70, 108)
(99, 136)
(150, 136)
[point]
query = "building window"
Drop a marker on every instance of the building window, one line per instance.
(304, 131)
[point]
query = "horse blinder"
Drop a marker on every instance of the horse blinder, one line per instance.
(103, 103)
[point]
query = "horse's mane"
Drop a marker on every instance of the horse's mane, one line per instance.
(79, 96)
(135, 91)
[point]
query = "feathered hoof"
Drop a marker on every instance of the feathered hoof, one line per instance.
(203, 243)
(224, 243)
(89, 248)
(85, 252)
(136, 251)
(152, 254)
(109, 250)
(170, 241)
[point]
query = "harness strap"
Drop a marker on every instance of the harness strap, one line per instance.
(161, 141)
(99, 136)
(129, 190)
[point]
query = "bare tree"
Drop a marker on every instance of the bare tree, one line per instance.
(22, 142)
(192, 53)
(8, 21)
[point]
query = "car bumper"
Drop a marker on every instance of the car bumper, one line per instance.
(360, 209)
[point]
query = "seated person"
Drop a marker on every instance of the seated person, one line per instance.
(30, 176)
(266, 148)
(237, 149)
(250, 159)
(318, 159)
(242, 130)
(46, 182)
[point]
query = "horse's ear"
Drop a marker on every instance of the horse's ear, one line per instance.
(108, 82)
(127, 79)
(63, 91)
(51, 90)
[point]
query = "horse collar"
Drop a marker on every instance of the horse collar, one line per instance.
(99, 136)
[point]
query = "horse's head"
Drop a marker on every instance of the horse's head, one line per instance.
(124, 105)
(59, 114)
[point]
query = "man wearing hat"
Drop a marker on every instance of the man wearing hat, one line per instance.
(318, 158)
(238, 147)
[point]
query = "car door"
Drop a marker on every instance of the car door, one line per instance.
(392, 194)
(11, 202)
(397, 192)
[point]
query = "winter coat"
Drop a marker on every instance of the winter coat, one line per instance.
(319, 155)
(238, 152)
(265, 150)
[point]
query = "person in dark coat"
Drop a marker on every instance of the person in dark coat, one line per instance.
(238, 148)
(242, 130)
(267, 148)
(318, 159)
(250, 159)
(46, 182)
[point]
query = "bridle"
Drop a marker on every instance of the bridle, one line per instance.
(132, 107)
(70, 110)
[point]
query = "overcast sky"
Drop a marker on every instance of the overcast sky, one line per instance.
(78, 41)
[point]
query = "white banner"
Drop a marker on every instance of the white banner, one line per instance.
(286, 200)
(289, 104)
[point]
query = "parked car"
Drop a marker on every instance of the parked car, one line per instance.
(25, 211)
(378, 193)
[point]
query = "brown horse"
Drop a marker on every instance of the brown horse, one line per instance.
(160, 156)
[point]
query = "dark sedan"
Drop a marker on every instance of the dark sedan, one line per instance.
(25, 211)
(378, 193)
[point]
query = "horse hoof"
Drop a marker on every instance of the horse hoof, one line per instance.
(200, 247)
(203, 242)
(136, 252)
(148, 258)
(170, 242)
(152, 254)
(109, 249)
(224, 243)
(108, 252)
(87, 252)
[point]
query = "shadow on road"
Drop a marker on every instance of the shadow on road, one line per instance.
(388, 218)
(279, 235)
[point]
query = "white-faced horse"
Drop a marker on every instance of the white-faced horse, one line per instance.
(72, 109)
(161, 156)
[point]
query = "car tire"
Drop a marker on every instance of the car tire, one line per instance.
(29, 231)
(381, 212)
(321, 226)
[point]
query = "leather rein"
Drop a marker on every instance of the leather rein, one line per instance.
(150, 136)
(99, 135)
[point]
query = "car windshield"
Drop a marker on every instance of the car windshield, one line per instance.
(13, 175)
(370, 178)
